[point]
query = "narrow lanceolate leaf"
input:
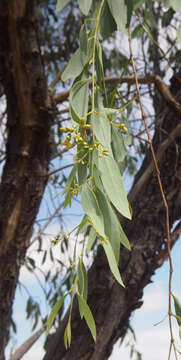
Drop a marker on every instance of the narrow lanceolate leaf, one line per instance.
(54, 312)
(75, 65)
(92, 239)
(118, 145)
(113, 229)
(67, 335)
(82, 279)
(177, 309)
(113, 184)
(112, 261)
(79, 100)
(61, 4)
(85, 310)
(119, 13)
(91, 208)
(102, 130)
(85, 6)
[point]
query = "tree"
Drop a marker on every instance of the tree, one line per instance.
(31, 111)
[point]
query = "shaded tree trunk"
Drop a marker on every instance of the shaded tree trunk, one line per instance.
(27, 150)
(111, 304)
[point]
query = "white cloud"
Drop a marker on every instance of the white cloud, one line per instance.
(156, 299)
(152, 343)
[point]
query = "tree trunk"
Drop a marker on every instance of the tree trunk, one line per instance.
(111, 304)
(27, 150)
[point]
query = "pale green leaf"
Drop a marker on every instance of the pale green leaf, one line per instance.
(75, 65)
(179, 34)
(82, 279)
(54, 312)
(180, 331)
(118, 145)
(92, 239)
(99, 63)
(113, 229)
(177, 308)
(91, 208)
(67, 335)
(175, 4)
(79, 97)
(119, 12)
(113, 184)
(85, 6)
(61, 4)
(88, 316)
(112, 261)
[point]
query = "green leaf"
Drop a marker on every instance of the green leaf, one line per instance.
(179, 34)
(67, 335)
(107, 22)
(118, 145)
(113, 184)
(99, 64)
(75, 65)
(97, 177)
(82, 173)
(167, 17)
(79, 97)
(82, 279)
(175, 4)
(112, 261)
(85, 310)
(54, 312)
(92, 239)
(129, 4)
(91, 208)
(177, 308)
(138, 31)
(85, 6)
(180, 331)
(119, 12)
(83, 41)
(61, 4)
(113, 229)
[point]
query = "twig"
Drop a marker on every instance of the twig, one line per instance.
(22, 350)
(59, 169)
(161, 190)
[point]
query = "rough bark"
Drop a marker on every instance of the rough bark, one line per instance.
(27, 150)
(111, 304)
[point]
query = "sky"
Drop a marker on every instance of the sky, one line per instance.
(151, 341)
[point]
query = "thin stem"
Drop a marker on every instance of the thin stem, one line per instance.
(162, 193)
